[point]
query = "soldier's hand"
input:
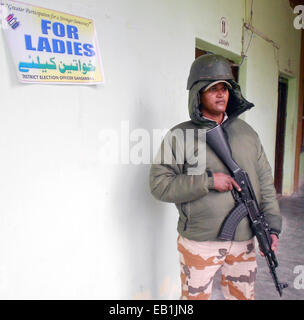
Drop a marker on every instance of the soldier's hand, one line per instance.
(223, 182)
(274, 244)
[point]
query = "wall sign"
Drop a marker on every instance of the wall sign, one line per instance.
(224, 27)
(224, 32)
(50, 46)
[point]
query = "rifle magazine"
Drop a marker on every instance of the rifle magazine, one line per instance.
(231, 222)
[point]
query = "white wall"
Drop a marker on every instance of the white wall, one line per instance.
(70, 226)
(274, 18)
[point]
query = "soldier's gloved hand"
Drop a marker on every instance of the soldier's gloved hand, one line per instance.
(223, 182)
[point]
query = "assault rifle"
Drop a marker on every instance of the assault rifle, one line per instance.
(246, 204)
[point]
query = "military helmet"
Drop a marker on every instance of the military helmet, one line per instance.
(209, 67)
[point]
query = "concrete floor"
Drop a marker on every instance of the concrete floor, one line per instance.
(290, 256)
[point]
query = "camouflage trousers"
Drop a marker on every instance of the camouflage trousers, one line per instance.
(199, 261)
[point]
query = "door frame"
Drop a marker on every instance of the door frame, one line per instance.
(300, 122)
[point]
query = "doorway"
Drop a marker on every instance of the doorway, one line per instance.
(280, 134)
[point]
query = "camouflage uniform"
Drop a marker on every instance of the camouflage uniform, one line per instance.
(200, 260)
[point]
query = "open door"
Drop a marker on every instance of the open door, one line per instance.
(280, 136)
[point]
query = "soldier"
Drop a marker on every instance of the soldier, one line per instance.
(204, 200)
